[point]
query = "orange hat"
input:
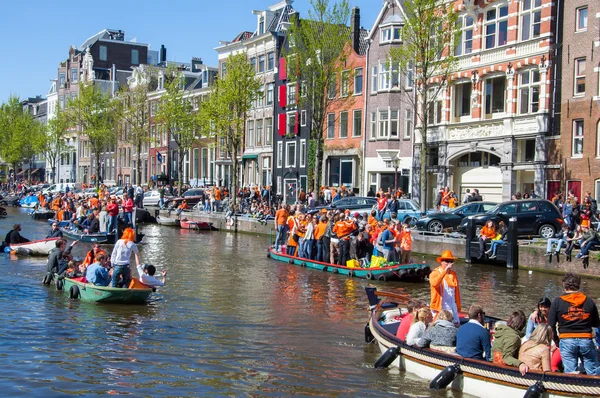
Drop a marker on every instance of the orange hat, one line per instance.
(446, 255)
(347, 211)
(323, 210)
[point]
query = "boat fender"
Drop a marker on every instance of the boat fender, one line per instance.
(445, 377)
(381, 278)
(47, 278)
(334, 270)
(74, 292)
(368, 335)
(369, 275)
(24, 251)
(303, 264)
(59, 284)
(291, 261)
(324, 268)
(387, 358)
(535, 391)
(350, 273)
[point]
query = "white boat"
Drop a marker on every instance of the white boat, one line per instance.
(36, 247)
(167, 221)
(471, 376)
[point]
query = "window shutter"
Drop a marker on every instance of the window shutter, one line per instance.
(296, 126)
(281, 126)
(283, 96)
(282, 69)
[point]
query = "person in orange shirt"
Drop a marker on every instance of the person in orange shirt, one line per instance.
(93, 202)
(488, 232)
(281, 217)
(294, 238)
(344, 228)
(405, 240)
(445, 293)
(90, 257)
(319, 232)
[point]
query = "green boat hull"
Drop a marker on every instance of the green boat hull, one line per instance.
(416, 272)
(101, 294)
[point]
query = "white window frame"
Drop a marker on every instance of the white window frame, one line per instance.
(287, 158)
(493, 113)
(408, 123)
(577, 135)
(279, 154)
(383, 124)
(497, 21)
(289, 125)
(532, 10)
(330, 126)
(291, 94)
(342, 126)
(373, 126)
(374, 79)
(279, 185)
(270, 57)
(100, 50)
(394, 122)
(530, 86)
(409, 76)
(302, 153)
(303, 89)
(456, 104)
(258, 133)
(578, 19)
(250, 141)
(362, 82)
(461, 48)
(260, 97)
(268, 130)
(578, 75)
(390, 34)
(354, 112)
(303, 117)
(270, 93)
(74, 75)
(385, 82)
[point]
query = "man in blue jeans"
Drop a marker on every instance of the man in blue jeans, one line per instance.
(560, 240)
(281, 217)
(588, 240)
(576, 316)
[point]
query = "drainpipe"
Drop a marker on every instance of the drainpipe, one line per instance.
(367, 121)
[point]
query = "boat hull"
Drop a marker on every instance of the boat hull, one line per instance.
(100, 294)
(406, 271)
(61, 224)
(172, 222)
(89, 238)
(42, 215)
(197, 225)
(36, 247)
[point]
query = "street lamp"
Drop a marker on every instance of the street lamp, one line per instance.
(396, 164)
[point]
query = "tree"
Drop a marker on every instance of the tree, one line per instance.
(97, 115)
(316, 56)
(429, 39)
(224, 113)
(54, 139)
(20, 133)
(135, 111)
(177, 115)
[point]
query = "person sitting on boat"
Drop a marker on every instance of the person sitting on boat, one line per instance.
(54, 231)
(535, 353)
(90, 257)
(73, 270)
(488, 232)
(146, 275)
(98, 273)
(537, 317)
(14, 237)
(94, 226)
(441, 335)
(121, 258)
(576, 316)
(412, 306)
(507, 341)
(418, 326)
(58, 258)
(473, 339)
(445, 292)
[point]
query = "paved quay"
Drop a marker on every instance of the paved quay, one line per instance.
(530, 257)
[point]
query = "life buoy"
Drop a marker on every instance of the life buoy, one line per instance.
(59, 284)
(369, 275)
(74, 292)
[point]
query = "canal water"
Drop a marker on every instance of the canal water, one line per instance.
(230, 322)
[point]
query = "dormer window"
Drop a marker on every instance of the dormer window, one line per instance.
(261, 25)
(391, 34)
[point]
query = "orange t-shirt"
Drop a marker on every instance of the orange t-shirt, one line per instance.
(406, 241)
(93, 202)
(281, 216)
(217, 194)
(320, 230)
(343, 228)
(488, 232)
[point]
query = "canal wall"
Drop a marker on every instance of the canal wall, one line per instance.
(530, 257)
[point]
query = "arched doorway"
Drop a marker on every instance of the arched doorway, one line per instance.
(477, 170)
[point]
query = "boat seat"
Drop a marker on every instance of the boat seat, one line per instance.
(391, 327)
(374, 300)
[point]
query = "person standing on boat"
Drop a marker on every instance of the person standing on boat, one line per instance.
(445, 293)
(576, 315)
(281, 225)
(343, 229)
(54, 232)
(121, 258)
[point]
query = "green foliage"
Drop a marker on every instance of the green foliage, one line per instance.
(21, 135)
(316, 55)
(54, 139)
(429, 39)
(224, 113)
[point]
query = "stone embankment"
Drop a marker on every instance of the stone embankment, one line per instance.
(530, 257)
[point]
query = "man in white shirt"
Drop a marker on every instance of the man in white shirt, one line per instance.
(146, 273)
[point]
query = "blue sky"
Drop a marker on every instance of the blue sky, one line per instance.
(37, 34)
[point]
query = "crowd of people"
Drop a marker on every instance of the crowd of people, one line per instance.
(559, 335)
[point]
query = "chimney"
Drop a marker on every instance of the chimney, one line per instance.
(355, 29)
(163, 54)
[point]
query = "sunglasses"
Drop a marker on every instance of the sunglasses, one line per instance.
(449, 261)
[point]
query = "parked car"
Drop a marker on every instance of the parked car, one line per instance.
(89, 192)
(534, 217)
(438, 221)
(408, 211)
(152, 198)
(359, 204)
(192, 196)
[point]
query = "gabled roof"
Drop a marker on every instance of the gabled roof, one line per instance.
(394, 3)
(242, 36)
(282, 17)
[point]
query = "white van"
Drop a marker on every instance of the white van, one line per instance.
(61, 187)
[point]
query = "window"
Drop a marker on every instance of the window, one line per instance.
(279, 154)
(357, 123)
(152, 108)
(270, 88)
(373, 125)
(434, 113)
(529, 91)
(384, 76)
(384, 124)
(261, 26)
(582, 18)
(303, 89)
(261, 63)
(462, 99)
(465, 40)
(291, 94)
(344, 125)
(345, 83)
(395, 76)
(332, 89)
(577, 138)
(271, 61)
(259, 132)
(580, 76)
(302, 153)
(391, 34)
(268, 130)
(291, 123)
(494, 95)
(62, 79)
(279, 185)
(531, 19)
(374, 80)
(496, 26)
(394, 124)
(103, 53)
(74, 75)
(223, 69)
(303, 118)
(135, 57)
(250, 133)
(598, 140)
(61, 102)
(330, 125)
(409, 75)
(386, 35)
(408, 123)
(260, 97)
(358, 81)
(253, 63)
(290, 159)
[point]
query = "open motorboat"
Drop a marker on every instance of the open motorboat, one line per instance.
(167, 221)
(35, 248)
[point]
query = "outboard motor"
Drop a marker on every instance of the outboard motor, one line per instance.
(387, 358)
(445, 377)
(535, 391)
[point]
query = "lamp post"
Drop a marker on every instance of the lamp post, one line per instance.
(396, 164)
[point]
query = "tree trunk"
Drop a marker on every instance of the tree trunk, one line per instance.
(233, 195)
(424, 146)
(318, 164)
(180, 171)
(138, 173)
(97, 182)
(54, 174)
